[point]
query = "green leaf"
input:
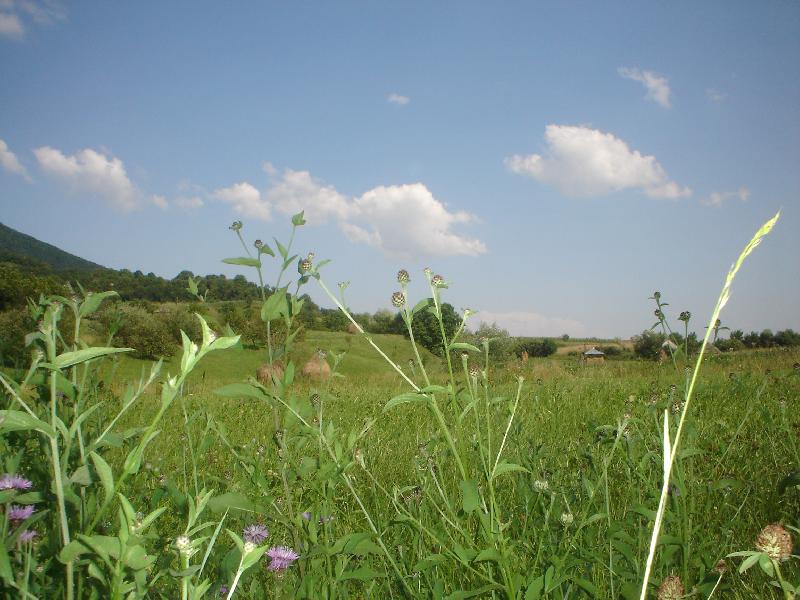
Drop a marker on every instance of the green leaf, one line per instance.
(504, 467)
(463, 595)
(792, 479)
(361, 574)
(92, 302)
(6, 574)
(298, 220)
(422, 304)
(69, 359)
(244, 261)
(105, 474)
(430, 561)
(587, 586)
(265, 249)
(490, 554)
(281, 249)
(274, 306)
(471, 497)
(463, 346)
(404, 398)
(81, 476)
(15, 420)
(750, 561)
(234, 502)
(434, 389)
(241, 390)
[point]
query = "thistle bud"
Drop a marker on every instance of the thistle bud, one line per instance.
(304, 266)
(258, 244)
(236, 226)
(775, 542)
(403, 276)
(721, 567)
(671, 588)
(428, 271)
(685, 316)
(398, 299)
(659, 315)
(437, 281)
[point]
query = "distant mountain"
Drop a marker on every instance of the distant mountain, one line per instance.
(13, 242)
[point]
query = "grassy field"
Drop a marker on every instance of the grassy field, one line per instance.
(742, 441)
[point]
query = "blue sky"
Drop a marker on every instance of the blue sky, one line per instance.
(556, 162)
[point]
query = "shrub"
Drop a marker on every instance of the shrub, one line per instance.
(543, 347)
(648, 344)
(141, 330)
(14, 326)
(501, 344)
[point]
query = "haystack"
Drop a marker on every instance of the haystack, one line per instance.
(317, 367)
(266, 371)
(351, 328)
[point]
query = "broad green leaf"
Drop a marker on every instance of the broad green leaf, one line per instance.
(463, 595)
(241, 390)
(105, 474)
(92, 302)
(422, 304)
(273, 306)
(244, 261)
(265, 249)
(69, 359)
(6, 574)
(504, 467)
(430, 561)
(81, 476)
(434, 389)
(463, 346)
(233, 501)
(404, 398)
(490, 554)
(16, 420)
(471, 497)
(281, 249)
(587, 586)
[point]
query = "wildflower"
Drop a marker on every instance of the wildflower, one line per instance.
(304, 266)
(541, 485)
(671, 588)
(403, 276)
(20, 513)
(474, 372)
(775, 542)
(281, 558)
(567, 519)
(721, 567)
(248, 548)
(14, 482)
(27, 536)
(437, 281)
(183, 544)
(236, 226)
(306, 515)
(398, 299)
(258, 244)
(659, 315)
(427, 271)
(255, 533)
(223, 590)
(685, 316)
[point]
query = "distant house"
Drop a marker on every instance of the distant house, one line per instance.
(593, 355)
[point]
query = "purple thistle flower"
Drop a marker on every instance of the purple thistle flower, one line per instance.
(14, 482)
(255, 533)
(27, 535)
(20, 513)
(306, 515)
(282, 558)
(223, 590)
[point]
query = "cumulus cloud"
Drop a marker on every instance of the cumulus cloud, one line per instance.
(524, 323)
(719, 198)
(159, 201)
(583, 162)
(10, 162)
(93, 172)
(189, 202)
(398, 99)
(43, 12)
(401, 220)
(10, 26)
(246, 200)
(657, 86)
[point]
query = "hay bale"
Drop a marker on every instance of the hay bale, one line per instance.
(266, 371)
(351, 328)
(317, 367)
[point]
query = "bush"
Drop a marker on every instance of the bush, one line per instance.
(15, 324)
(141, 330)
(541, 348)
(426, 328)
(648, 344)
(501, 344)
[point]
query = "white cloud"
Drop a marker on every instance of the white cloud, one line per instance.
(91, 171)
(398, 99)
(401, 220)
(715, 95)
(580, 161)
(523, 323)
(657, 86)
(246, 201)
(43, 12)
(159, 201)
(189, 202)
(10, 26)
(10, 162)
(719, 198)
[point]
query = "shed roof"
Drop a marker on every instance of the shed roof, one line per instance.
(594, 352)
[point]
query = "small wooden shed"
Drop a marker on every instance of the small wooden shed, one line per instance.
(593, 355)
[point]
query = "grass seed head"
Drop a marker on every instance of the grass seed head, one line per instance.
(775, 542)
(671, 588)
